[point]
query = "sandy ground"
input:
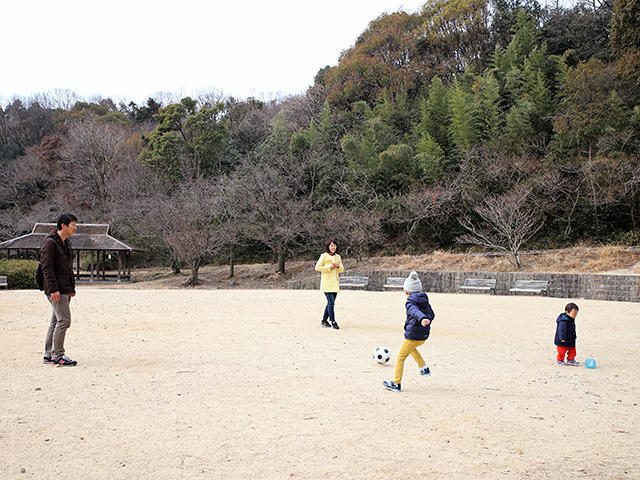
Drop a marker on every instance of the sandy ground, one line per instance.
(241, 384)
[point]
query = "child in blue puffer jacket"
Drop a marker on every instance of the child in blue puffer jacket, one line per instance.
(416, 330)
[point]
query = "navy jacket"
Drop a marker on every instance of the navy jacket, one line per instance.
(565, 330)
(417, 308)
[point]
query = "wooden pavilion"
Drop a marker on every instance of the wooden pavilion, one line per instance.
(89, 238)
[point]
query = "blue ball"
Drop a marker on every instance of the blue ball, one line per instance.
(590, 363)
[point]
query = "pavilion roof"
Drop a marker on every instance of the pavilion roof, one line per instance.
(88, 236)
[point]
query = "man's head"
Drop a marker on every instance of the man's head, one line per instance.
(67, 224)
(572, 310)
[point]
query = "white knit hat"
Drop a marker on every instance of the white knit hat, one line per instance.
(412, 283)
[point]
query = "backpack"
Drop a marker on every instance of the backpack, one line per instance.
(40, 276)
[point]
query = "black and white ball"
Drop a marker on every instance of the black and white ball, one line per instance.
(381, 355)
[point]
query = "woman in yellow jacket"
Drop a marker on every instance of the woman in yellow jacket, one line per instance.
(330, 264)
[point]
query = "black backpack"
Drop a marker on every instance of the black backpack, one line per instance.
(39, 277)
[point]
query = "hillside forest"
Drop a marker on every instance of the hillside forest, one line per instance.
(485, 124)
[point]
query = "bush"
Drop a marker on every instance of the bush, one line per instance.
(20, 273)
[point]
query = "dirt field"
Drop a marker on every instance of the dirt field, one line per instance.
(244, 384)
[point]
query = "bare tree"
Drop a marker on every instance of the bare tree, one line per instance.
(93, 156)
(431, 205)
(229, 219)
(506, 222)
(276, 205)
(356, 230)
(191, 215)
(632, 187)
(209, 97)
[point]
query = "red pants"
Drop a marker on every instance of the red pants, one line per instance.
(570, 352)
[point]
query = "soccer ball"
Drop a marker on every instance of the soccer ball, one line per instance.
(590, 363)
(381, 355)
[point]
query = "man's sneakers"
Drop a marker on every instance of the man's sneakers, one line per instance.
(47, 360)
(424, 371)
(65, 361)
(393, 386)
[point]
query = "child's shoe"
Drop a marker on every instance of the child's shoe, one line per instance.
(325, 324)
(335, 325)
(390, 385)
(47, 360)
(560, 362)
(573, 362)
(424, 371)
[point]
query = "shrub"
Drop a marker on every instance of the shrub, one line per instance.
(20, 273)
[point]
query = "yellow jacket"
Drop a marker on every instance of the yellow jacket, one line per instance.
(330, 281)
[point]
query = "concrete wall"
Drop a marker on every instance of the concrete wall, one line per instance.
(624, 288)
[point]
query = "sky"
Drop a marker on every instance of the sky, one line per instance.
(133, 49)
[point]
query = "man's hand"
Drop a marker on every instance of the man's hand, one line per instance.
(425, 322)
(55, 297)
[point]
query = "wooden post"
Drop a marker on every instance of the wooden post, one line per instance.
(77, 264)
(92, 265)
(119, 264)
(129, 265)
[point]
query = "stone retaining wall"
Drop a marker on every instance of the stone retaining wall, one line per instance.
(624, 288)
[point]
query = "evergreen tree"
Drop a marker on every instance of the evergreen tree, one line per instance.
(435, 114)
(525, 39)
(625, 27)
(463, 129)
(519, 128)
(430, 159)
(487, 101)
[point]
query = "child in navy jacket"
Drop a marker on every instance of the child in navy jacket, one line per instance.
(416, 330)
(566, 335)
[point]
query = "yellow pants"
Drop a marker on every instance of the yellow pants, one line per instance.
(409, 347)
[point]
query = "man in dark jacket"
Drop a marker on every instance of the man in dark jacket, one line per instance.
(417, 328)
(56, 258)
(566, 335)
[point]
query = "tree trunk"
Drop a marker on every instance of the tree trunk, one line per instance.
(193, 280)
(231, 264)
(281, 257)
(175, 266)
